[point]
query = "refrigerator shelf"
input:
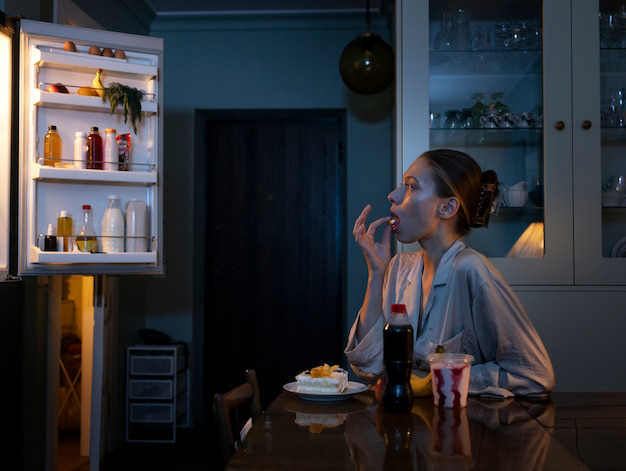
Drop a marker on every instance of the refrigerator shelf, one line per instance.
(44, 172)
(83, 103)
(39, 256)
(80, 62)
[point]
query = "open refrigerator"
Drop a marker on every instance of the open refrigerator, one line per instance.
(35, 55)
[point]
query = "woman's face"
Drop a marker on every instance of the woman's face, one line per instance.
(415, 204)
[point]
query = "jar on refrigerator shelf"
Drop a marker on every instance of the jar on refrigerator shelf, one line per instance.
(94, 150)
(111, 150)
(113, 226)
(136, 226)
(80, 149)
(52, 147)
(86, 239)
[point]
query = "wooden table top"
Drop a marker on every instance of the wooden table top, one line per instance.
(574, 431)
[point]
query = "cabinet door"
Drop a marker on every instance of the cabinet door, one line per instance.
(492, 79)
(46, 190)
(599, 123)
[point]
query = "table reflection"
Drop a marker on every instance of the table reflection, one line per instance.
(493, 432)
(358, 434)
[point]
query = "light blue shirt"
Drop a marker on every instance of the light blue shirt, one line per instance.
(471, 309)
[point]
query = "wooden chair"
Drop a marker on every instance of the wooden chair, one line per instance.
(226, 410)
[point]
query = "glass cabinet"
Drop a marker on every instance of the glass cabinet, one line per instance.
(534, 91)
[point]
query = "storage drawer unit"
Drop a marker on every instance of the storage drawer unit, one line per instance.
(156, 393)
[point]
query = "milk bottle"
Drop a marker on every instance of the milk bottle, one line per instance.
(113, 226)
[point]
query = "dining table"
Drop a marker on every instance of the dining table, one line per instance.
(566, 430)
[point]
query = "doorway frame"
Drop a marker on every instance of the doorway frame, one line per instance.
(201, 116)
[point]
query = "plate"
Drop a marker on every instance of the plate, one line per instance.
(353, 388)
(619, 248)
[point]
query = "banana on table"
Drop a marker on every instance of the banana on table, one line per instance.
(421, 386)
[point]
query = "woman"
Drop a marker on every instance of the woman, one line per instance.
(454, 296)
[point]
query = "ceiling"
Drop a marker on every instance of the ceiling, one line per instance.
(162, 8)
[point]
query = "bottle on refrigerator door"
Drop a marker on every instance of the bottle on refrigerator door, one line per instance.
(52, 147)
(64, 229)
(398, 360)
(86, 239)
(80, 149)
(94, 149)
(50, 241)
(111, 150)
(113, 226)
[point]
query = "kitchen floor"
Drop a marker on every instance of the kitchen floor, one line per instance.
(194, 450)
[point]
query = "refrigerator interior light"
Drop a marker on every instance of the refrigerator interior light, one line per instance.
(5, 150)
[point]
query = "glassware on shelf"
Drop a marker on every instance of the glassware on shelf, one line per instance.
(502, 35)
(461, 34)
(478, 108)
(453, 119)
(500, 107)
(443, 38)
(610, 30)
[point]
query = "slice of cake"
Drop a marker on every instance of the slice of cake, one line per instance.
(323, 379)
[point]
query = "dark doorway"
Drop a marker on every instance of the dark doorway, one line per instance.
(274, 244)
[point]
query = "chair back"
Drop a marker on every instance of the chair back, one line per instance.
(228, 408)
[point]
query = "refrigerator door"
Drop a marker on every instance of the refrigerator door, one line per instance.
(58, 65)
(5, 144)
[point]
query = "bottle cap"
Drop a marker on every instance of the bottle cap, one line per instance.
(86, 206)
(113, 197)
(65, 214)
(50, 229)
(52, 127)
(108, 130)
(94, 129)
(398, 308)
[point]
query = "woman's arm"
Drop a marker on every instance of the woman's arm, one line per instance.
(377, 256)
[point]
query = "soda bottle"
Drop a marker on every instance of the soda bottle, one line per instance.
(398, 360)
(52, 147)
(113, 226)
(94, 150)
(86, 238)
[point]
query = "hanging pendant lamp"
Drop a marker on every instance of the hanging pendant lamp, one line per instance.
(367, 63)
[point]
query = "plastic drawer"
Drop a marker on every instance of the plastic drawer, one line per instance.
(153, 413)
(150, 389)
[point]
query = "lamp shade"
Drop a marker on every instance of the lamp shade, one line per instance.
(367, 64)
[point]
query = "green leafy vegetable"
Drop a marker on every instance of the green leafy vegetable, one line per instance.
(127, 97)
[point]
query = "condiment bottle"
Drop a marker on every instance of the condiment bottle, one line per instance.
(52, 147)
(50, 241)
(86, 238)
(398, 360)
(94, 149)
(113, 226)
(80, 149)
(64, 228)
(111, 150)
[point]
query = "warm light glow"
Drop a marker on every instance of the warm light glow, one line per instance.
(5, 149)
(530, 244)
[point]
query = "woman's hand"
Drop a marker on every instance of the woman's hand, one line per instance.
(377, 254)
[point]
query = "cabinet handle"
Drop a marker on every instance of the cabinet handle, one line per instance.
(586, 124)
(559, 125)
